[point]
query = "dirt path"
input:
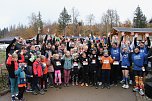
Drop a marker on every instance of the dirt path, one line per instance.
(81, 94)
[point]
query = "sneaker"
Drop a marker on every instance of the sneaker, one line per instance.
(73, 84)
(16, 97)
(29, 91)
(86, 85)
(99, 83)
(126, 86)
(122, 81)
(141, 92)
(102, 86)
(76, 84)
(136, 89)
(82, 84)
(60, 87)
(13, 98)
(108, 87)
(123, 85)
(35, 93)
(130, 82)
(67, 85)
(45, 90)
(42, 92)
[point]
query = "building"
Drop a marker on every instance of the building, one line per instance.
(128, 32)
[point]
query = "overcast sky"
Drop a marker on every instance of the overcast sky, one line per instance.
(17, 11)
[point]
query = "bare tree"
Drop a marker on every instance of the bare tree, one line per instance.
(75, 14)
(90, 19)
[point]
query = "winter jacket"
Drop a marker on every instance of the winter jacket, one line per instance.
(13, 65)
(67, 63)
(37, 69)
(57, 64)
(21, 77)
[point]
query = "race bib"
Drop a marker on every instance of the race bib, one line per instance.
(58, 63)
(75, 64)
(85, 62)
(93, 61)
(106, 61)
(99, 58)
(115, 63)
(124, 66)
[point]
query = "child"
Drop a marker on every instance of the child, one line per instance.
(106, 61)
(21, 80)
(45, 71)
(75, 69)
(93, 68)
(67, 67)
(85, 69)
(57, 68)
(38, 73)
(12, 65)
(125, 64)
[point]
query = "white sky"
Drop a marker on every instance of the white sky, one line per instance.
(17, 11)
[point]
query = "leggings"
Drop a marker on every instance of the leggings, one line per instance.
(21, 92)
(106, 76)
(58, 76)
(66, 76)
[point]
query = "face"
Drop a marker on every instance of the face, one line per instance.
(32, 48)
(136, 50)
(125, 49)
(114, 45)
(141, 45)
(84, 55)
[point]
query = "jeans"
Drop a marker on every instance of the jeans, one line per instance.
(14, 86)
(50, 76)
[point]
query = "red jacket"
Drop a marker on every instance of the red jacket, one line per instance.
(37, 69)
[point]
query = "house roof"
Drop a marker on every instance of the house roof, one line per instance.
(141, 30)
(7, 39)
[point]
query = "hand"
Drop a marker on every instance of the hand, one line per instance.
(109, 34)
(9, 54)
(123, 34)
(136, 35)
(132, 33)
(147, 35)
(16, 51)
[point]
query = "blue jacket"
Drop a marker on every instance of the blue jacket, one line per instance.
(125, 59)
(21, 76)
(115, 53)
(67, 63)
(138, 61)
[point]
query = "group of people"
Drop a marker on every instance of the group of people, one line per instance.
(56, 62)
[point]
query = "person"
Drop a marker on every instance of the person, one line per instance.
(85, 69)
(12, 65)
(38, 73)
(138, 58)
(125, 64)
(56, 62)
(21, 80)
(45, 71)
(93, 68)
(106, 62)
(67, 65)
(115, 54)
(75, 69)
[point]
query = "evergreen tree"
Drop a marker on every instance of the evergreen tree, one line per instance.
(40, 22)
(139, 20)
(63, 20)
